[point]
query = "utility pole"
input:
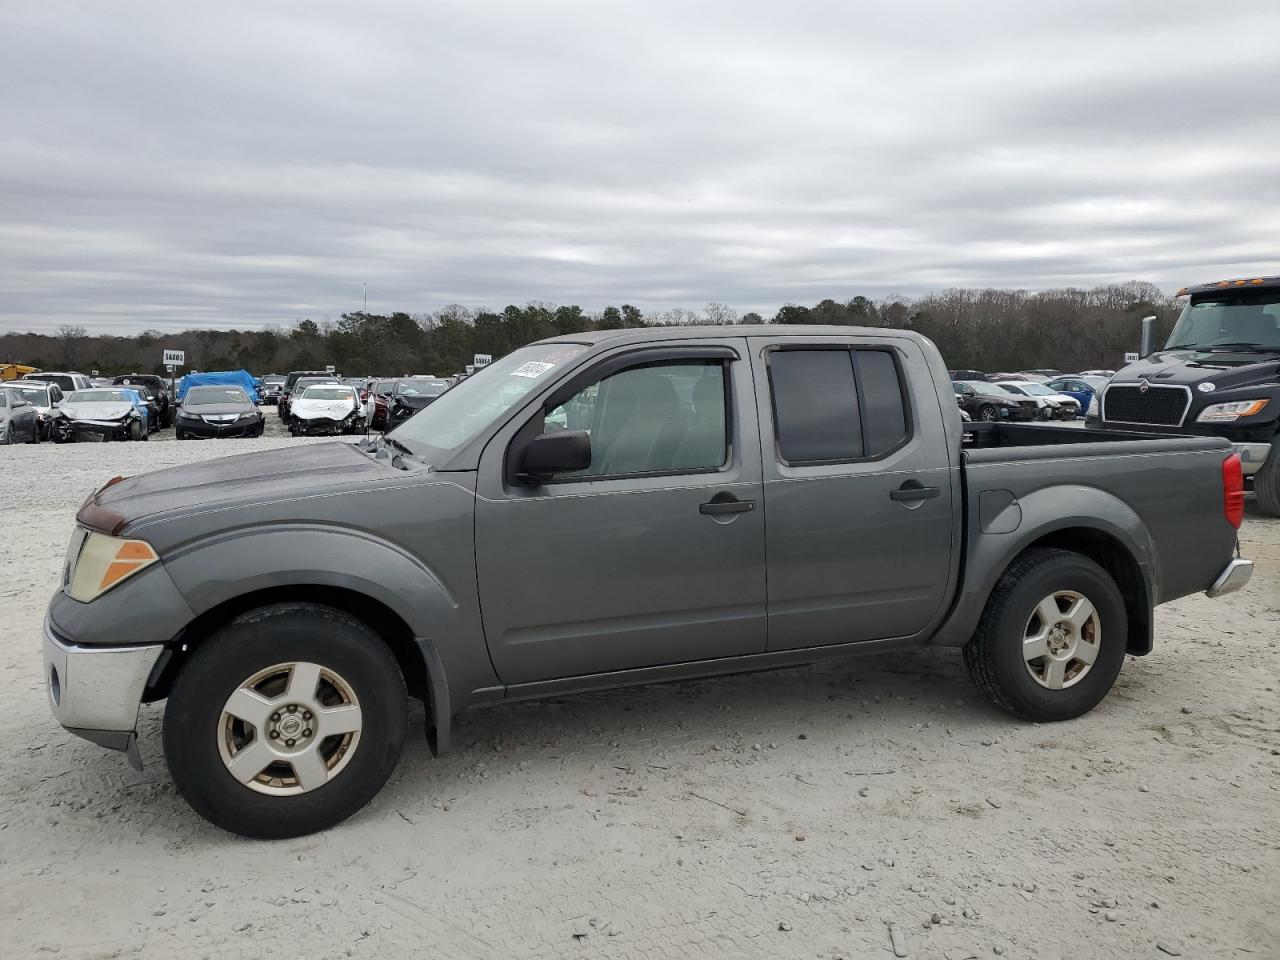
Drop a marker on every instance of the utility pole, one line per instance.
(365, 284)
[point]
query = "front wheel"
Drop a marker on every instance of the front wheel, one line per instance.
(136, 431)
(1052, 639)
(987, 414)
(286, 721)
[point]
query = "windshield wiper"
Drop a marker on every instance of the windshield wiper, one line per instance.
(398, 445)
(1182, 346)
(1243, 345)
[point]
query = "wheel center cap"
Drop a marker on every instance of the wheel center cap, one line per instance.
(1058, 640)
(291, 726)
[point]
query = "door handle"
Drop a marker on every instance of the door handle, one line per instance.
(914, 490)
(723, 503)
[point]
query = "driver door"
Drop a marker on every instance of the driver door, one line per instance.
(652, 555)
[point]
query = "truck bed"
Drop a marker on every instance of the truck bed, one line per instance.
(1159, 495)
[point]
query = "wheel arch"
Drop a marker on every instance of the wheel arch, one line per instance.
(1086, 520)
(419, 663)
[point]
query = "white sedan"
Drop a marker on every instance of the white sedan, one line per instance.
(327, 408)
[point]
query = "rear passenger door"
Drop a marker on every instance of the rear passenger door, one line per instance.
(858, 489)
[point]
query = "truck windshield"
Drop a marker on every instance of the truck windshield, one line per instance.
(462, 412)
(1246, 320)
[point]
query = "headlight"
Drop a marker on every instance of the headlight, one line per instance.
(1220, 412)
(106, 561)
(1093, 406)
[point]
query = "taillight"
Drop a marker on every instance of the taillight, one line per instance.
(1233, 491)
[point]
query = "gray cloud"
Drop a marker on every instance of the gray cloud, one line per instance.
(167, 166)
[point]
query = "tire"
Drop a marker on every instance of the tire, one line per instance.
(995, 654)
(987, 413)
(35, 434)
(262, 426)
(136, 431)
(1266, 482)
(8, 437)
(1044, 413)
(198, 732)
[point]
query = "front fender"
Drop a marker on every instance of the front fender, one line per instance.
(1034, 517)
(441, 612)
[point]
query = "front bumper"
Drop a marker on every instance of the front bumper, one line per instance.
(208, 431)
(96, 429)
(326, 425)
(95, 692)
(1252, 456)
(1234, 576)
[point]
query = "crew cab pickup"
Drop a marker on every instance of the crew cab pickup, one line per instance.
(606, 509)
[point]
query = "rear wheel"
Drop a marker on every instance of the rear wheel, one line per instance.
(1052, 638)
(1266, 482)
(8, 436)
(287, 721)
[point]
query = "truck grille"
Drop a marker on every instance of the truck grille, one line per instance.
(1157, 405)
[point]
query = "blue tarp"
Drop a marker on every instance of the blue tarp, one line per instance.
(238, 378)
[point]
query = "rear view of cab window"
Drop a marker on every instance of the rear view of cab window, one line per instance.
(815, 406)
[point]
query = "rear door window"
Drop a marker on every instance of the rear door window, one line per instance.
(837, 405)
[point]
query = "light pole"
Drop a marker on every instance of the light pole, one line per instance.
(365, 284)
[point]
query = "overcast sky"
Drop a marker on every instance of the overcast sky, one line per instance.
(168, 165)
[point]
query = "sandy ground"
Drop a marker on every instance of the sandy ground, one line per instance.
(794, 814)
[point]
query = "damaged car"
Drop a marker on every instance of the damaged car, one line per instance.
(102, 413)
(411, 395)
(326, 408)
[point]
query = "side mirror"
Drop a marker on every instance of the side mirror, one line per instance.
(550, 453)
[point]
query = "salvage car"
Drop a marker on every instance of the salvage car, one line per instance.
(102, 413)
(411, 395)
(326, 408)
(213, 412)
(988, 403)
(482, 552)
(292, 393)
(286, 390)
(18, 421)
(1050, 404)
(159, 388)
(45, 397)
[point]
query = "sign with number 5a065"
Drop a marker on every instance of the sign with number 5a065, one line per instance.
(175, 358)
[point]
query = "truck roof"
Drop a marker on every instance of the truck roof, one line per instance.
(680, 332)
(1228, 284)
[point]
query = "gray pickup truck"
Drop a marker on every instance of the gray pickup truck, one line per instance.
(606, 509)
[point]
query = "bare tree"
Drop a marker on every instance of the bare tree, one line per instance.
(70, 335)
(719, 314)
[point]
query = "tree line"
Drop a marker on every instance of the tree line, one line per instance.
(984, 329)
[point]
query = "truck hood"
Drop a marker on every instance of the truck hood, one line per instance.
(1225, 370)
(240, 480)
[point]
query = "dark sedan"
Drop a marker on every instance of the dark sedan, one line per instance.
(209, 412)
(411, 395)
(983, 401)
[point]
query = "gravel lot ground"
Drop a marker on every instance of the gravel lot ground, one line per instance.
(793, 814)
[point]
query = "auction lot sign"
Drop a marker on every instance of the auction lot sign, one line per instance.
(175, 358)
